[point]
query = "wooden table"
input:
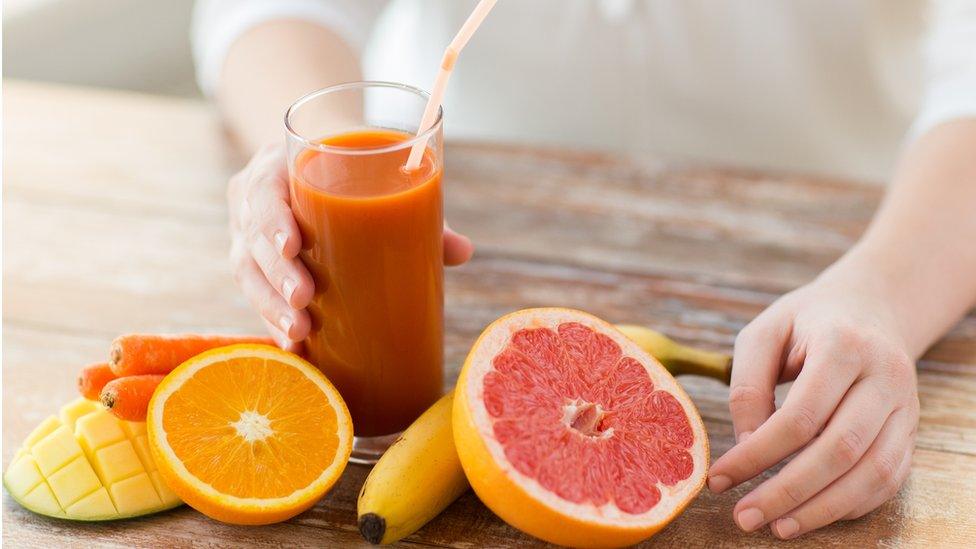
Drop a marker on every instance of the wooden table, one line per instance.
(114, 221)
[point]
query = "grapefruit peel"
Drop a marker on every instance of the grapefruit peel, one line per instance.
(523, 501)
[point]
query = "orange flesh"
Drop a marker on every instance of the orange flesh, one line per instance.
(372, 240)
(301, 439)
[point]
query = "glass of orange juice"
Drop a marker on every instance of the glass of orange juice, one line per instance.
(372, 238)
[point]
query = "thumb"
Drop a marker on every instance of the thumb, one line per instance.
(756, 364)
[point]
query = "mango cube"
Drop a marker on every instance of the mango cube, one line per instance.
(56, 450)
(97, 431)
(133, 428)
(41, 500)
(44, 429)
(141, 445)
(24, 475)
(70, 412)
(95, 505)
(135, 495)
(165, 494)
(116, 462)
(74, 481)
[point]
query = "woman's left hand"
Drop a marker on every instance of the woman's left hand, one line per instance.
(850, 416)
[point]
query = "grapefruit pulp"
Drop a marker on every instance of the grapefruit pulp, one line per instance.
(570, 432)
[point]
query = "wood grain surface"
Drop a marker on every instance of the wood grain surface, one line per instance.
(114, 221)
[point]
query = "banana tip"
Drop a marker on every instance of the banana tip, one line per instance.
(372, 527)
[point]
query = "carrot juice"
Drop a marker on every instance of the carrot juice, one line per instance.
(372, 240)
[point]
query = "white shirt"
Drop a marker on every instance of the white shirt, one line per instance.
(826, 86)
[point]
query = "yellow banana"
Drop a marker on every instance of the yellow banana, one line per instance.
(677, 358)
(415, 479)
(420, 475)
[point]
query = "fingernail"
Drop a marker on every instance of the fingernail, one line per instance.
(750, 519)
(786, 528)
(288, 288)
(282, 341)
(741, 437)
(280, 240)
(719, 483)
(285, 324)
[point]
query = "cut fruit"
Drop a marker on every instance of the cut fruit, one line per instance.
(249, 434)
(570, 432)
(78, 464)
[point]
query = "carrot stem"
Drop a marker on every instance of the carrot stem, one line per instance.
(140, 354)
(128, 397)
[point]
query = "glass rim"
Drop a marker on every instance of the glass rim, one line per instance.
(308, 143)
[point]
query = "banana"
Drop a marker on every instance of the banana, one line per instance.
(417, 477)
(420, 475)
(677, 358)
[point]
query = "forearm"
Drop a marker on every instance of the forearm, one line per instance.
(271, 66)
(921, 245)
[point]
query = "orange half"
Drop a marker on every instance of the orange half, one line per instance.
(249, 434)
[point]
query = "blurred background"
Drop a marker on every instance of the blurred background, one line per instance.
(131, 44)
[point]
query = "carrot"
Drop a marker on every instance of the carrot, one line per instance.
(139, 354)
(92, 378)
(128, 397)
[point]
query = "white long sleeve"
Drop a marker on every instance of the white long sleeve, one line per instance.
(217, 23)
(949, 64)
(823, 86)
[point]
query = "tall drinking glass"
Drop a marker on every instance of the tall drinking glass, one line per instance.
(372, 238)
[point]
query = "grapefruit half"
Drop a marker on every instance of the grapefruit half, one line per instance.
(568, 431)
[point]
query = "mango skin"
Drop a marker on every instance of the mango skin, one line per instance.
(86, 465)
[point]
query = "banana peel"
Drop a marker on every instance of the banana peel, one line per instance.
(679, 359)
(416, 479)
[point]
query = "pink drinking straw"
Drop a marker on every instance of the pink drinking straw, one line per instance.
(440, 83)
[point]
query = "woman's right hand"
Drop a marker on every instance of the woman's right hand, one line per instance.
(265, 242)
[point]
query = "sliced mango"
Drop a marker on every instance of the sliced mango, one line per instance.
(85, 464)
